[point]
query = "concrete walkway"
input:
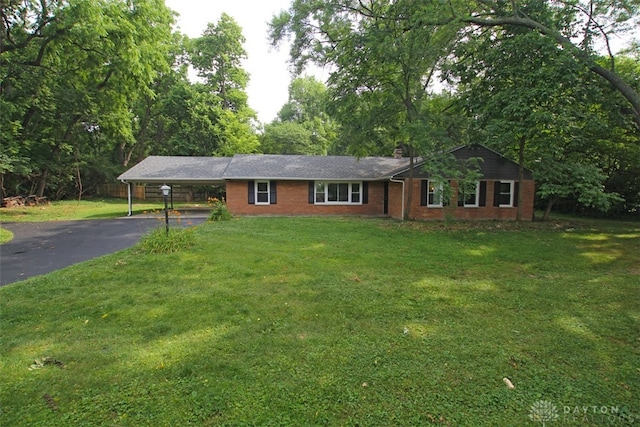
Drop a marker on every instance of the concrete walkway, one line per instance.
(42, 247)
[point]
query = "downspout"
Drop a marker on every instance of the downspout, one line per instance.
(400, 181)
(129, 197)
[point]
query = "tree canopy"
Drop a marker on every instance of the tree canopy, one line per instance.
(303, 125)
(71, 72)
(539, 103)
(88, 87)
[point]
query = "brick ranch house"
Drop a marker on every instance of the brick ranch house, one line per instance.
(264, 184)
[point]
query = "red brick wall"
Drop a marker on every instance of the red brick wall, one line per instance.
(293, 199)
(527, 189)
(395, 199)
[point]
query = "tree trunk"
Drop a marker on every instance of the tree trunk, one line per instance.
(127, 157)
(521, 144)
(410, 192)
(42, 184)
(79, 180)
(547, 211)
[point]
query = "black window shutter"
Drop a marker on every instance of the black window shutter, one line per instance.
(365, 192)
(311, 192)
(516, 190)
(496, 193)
(273, 199)
(461, 196)
(386, 197)
(423, 192)
(252, 194)
(483, 193)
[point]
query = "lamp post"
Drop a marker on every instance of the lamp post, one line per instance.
(165, 192)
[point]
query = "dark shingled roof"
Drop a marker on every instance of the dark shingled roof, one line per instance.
(216, 170)
(292, 167)
(178, 170)
(211, 170)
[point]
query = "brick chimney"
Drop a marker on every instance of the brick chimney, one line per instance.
(397, 153)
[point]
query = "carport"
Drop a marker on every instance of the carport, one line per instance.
(175, 170)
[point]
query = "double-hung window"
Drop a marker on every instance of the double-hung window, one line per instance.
(469, 195)
(262, 192)
(338, 193)
(434, 194)
(355, 192)
(505, 194)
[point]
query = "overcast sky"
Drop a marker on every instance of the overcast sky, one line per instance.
(268, 69)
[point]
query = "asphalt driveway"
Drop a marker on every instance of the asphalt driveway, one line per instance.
(42, 247)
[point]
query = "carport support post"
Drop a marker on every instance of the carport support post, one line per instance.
(129, 198)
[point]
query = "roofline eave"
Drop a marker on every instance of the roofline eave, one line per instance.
(172, 181)
(277, 178)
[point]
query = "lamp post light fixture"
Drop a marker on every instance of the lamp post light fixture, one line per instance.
(165, 193)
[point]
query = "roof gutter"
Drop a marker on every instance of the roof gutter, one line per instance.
(400, 181)
(129, 197)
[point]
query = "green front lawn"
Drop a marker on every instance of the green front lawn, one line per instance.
(334, 321)
(74, 210)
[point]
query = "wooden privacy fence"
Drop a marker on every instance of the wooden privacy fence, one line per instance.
(153, 192)
(120, 191)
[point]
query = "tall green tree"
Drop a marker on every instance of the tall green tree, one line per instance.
(71, 71)
(217, 57)
(288, 138)
(307, 100)
(578, 27)
(382, 71)
(203, 118)
(305, 117)
(377, 34)
(152, 129)
(532, 99)
(621, 151)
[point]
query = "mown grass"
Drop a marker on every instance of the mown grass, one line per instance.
(74, 210)
(331, 321)
(5, 236)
